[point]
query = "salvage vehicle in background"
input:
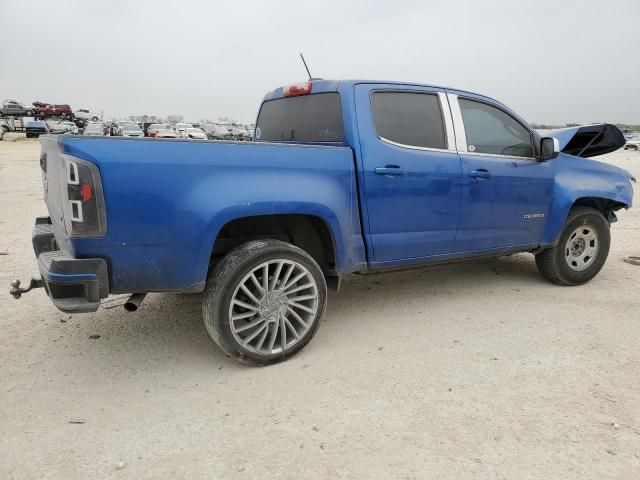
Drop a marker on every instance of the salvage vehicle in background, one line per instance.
(94, 130)
(216, 132)
(13, 108)
(238, 132)
(84, 114)
(343, 177)
(152, 129)
(131, 130)
(36, 128)
(165, 133)
(64, 127)
(194, 133)
(180, 129)
(632, 143)
(124, 123)
(45, 110)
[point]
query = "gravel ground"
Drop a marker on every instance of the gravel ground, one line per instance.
(479, 370)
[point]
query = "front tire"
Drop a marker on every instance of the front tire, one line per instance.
(581, 251)
(264, 301)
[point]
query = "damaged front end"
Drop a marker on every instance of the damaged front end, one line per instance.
(587, 140)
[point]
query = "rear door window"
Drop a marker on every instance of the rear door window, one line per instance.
(490, 130)
(409, 118)
(307, 118)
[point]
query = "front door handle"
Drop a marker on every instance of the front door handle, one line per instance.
(394, 170)
(480, 173)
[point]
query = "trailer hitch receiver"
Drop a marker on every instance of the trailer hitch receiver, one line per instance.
(17, 291)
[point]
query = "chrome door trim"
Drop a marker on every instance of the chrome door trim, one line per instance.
(458, 123)
(448, 122)
(416, 147)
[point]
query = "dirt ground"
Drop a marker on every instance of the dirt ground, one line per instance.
(475, 370)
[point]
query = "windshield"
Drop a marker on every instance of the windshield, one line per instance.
(307, 118)
(94, 127)
(131, 127)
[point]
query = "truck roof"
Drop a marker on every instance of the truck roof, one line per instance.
(323, 86)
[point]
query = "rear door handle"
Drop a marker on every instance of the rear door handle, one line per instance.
(394, 170)
(480, 173)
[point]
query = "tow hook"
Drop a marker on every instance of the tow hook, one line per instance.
(17, 292)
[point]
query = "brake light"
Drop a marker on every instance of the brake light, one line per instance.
(86, 192)
(84, 211)
(302, 88)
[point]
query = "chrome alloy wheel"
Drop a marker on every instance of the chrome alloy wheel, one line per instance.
(581, 248)
(273, 307)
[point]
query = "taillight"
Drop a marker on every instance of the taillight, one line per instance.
(303, 88)
(84, 204)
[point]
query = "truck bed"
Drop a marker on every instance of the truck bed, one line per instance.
(166, 201)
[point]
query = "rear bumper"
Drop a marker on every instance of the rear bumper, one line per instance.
(75, 285)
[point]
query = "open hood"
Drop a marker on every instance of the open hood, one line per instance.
(588, 140)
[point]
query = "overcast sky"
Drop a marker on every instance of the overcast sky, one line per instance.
(552, 61)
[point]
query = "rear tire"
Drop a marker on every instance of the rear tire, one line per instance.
(264, 301)
(581, 251)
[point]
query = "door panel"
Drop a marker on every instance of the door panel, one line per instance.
(506, 209)
(412, 193)
(506, 193)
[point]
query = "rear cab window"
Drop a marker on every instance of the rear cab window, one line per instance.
(315, 118)
(412, 119)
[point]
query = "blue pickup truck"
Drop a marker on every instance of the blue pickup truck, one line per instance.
(342, 177)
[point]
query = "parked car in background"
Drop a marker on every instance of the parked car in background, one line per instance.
(84, 114)
(131, 130)
(152, 130)
(44, 110)
(37, 128)
(195, 133)
(122, 123)
(13, 108)
(238, 132)
(181, 127)
(216, 132)
(251, 131)
(633, 143)
(61, 128)
(94, 130)
(165, 133)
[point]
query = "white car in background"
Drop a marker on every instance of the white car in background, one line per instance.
(215, 131)
(123, 123)
(61, 128)
(180, 129)
(194, 133)
(633, 143)
(94, 130)
(86, 115)
(131, 130)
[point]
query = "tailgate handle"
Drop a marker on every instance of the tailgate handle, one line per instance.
(391, 170)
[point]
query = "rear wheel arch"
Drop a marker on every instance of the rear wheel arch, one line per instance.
(311, 233)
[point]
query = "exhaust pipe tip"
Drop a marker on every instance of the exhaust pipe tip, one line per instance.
(134, 302)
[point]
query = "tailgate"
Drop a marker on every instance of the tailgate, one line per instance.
(51, 164)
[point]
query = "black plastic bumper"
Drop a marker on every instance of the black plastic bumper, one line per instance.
(75, 285)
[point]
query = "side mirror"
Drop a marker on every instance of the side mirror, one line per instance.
(549, 148)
